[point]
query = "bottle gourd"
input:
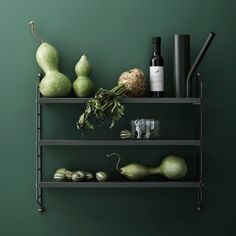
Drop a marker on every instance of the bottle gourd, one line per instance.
(83, 86)
(172, 167)
(54, 83)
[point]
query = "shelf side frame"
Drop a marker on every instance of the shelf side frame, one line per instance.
(39, 151)
(200, 148)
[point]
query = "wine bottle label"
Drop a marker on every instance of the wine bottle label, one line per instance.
(156, 78)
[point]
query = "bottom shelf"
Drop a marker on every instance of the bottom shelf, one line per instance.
(169, 184)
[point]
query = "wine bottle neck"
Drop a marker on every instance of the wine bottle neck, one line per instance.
(156, 49)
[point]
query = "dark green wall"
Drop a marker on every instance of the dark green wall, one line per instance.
(117, 35)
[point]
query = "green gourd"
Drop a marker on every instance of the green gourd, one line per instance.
(88, 176)
(78, 176)
(68, 174)
(54, 83)
(125, 134)
(83, 86)
(101, 176)
(172, 167)
(61, 170)
(60, 175)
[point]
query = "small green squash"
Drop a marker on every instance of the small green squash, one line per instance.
(59, 176)
(101, 176)
(78, 176)
(125, 134)
(88, 176)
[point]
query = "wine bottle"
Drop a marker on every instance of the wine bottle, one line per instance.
(156, 70)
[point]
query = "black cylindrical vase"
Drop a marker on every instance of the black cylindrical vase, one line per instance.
(181, 63)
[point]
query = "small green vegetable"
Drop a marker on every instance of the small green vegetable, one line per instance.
(78, 176)
(61, 170)
(88, 176)
(125, 134)
(60, 174)
(68, 174)
(101, 176)
(106, 103)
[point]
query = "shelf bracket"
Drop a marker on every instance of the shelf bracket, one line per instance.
(199, 200)
(39, 191)
(40, 200)
(200, 153)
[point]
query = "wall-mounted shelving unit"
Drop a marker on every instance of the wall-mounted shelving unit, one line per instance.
(40, 143)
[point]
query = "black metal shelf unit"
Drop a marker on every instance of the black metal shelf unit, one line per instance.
(40, 143)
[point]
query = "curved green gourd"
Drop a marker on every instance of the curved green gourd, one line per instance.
(83, 86)
(54, 83)
(172, 167)
(135, 171)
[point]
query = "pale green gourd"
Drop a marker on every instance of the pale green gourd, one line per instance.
(101, 176)
(172, 167)
(88, 175)
(54, 83)
(83, 86)
(125, 134)
(69, 174)
(83, 67)
(78, 176)
(60, 174)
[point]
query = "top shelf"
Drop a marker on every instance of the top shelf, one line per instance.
(196, 101)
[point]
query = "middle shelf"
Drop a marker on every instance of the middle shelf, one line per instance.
(119, 142)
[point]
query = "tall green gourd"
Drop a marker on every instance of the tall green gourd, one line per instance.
(54, 83)
(83, 86)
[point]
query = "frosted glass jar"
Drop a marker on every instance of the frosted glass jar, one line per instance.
(145, 129)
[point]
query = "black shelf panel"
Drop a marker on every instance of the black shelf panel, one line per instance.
(119, 142)
(169, 184)
(45, 100)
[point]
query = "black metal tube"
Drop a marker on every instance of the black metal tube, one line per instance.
(197, 62)
(181, 63)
